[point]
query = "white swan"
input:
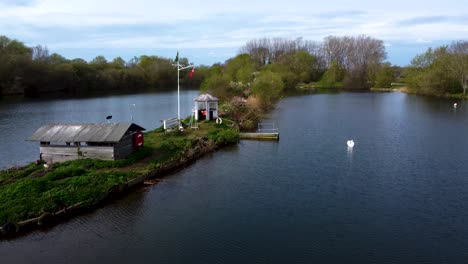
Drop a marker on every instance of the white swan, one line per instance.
(350, 143)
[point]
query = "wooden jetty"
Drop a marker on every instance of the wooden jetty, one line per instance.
(265, 131)
(260, 135)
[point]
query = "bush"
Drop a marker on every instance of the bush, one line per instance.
(224, 136)
(248, 125)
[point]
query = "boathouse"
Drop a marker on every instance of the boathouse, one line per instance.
(206, 107)
(107, 141)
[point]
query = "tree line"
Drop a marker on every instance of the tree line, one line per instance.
(441, 71)
(32, 71)
(267, 69)
(351, 62)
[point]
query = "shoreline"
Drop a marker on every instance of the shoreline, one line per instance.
(199, 146)
(406, 90)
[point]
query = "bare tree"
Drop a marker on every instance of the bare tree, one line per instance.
(315, 48)
(265, 51)
(334, 50)
(259, 50)
(360, 56)
(40, 53)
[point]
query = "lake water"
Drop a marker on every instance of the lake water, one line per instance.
(399, 196)
(20, 118)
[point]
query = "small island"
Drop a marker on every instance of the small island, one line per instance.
(36, 195)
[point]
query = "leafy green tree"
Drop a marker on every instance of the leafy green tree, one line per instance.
(118, 63)
(240, 68)
(217, 84)
(301, 63)
(267, 87)
(15, 57)
(99, 62)
(431, 73)
(458, 62)
(333, 76)
(57, 59)
(385, 76)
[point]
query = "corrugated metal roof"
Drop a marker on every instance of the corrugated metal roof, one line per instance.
(83, 132)
(205, 97)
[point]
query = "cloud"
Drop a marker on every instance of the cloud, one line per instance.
(17, 2)
(425, 20)
(143, 25)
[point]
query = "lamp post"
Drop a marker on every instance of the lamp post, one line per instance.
(132, 106)
(179, 68)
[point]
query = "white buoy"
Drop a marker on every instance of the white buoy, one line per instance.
(350, 143)
(455, 105)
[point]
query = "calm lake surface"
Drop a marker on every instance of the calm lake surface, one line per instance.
(399, 196)
(20, 118)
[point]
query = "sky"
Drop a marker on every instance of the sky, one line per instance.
(209, 31)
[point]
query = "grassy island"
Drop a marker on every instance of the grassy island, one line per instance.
(32, 195)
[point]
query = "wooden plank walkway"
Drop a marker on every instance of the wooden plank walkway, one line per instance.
(260, 135)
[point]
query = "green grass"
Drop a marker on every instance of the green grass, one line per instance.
(32, 190)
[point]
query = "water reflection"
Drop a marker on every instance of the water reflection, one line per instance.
(350, 152)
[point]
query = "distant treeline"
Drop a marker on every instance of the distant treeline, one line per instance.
(264, 69)
(352, 63)
(267, 69)
(32, 71)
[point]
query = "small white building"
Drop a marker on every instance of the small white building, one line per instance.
(206, 107)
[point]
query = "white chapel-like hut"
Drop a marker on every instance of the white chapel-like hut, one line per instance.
(108, 141)
(206, 107)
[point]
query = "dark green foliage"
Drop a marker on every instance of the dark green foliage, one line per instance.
(30, 197)
(64, 172)
(30, 191)
(299, 65)
(32, 72)
(333, 77)
(442, 71)
(385, 76)
(18, 173)
(267, 88)
(218, 85)
(224, 136)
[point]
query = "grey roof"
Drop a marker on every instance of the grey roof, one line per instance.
(83, 132)
(205, 98)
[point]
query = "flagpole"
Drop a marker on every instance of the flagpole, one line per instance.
(179, 68)
(178, 90)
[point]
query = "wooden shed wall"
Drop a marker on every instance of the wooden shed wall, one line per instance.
(124, 147)
(58, 153)
(63, 153)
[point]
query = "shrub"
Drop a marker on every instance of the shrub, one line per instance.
(224, 136)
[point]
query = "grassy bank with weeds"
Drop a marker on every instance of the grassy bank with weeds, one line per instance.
(34, 190)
